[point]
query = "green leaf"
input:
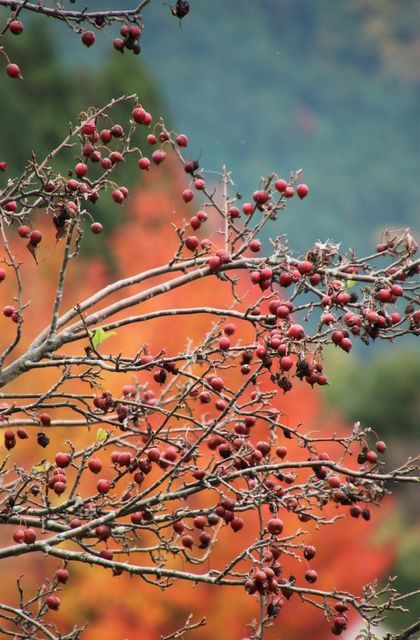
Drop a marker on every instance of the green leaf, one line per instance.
(43, 466)
(350, 283)
(98, 336)
(101, 434)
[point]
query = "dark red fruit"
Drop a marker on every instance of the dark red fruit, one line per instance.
(103, 486)
(16, 27)
(62, 460)
(275, 526)
(62, 575)
(53, 602)
(311, 576)
(96, 227)
(302, 190)
(88, 38)
(95, 465)
(35, 237)
(13, 71)
(29, 536)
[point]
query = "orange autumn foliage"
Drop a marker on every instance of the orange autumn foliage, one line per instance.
(120, 608)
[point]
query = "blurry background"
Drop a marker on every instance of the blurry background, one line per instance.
(332, 88)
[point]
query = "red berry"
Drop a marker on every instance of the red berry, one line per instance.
(96, 227)
(296, 332)
(53, 602)
(2, 275)
(114, 157)
(45, 419)
(88, 38)
(215, 262)
(395, 317)
(136, 517)
(397, 290)
(355, 511)
(89, 128)
(380, 446)
(384, 295)
(138, 114)
(224, 343)
(187, 195)
(260, 197)
(3, 166)
(192, 243)
(229, 329)
(62, 460)
(255, 246)
(29, 536)
(285, 279)
(372, 457)
(309, 552)
(302, 190)
(286, 363)
(81, 169)
(346, 344)
(144, 164)
(19, 536)
(199, 522)
(305, 267)
(8, 311)
(13, 71)
(59, 487)
(95, 465)
(153, 454)
(16, 27)
(311, 575)
(187, 541)
(234, 212)
(199, 184)
(282, 311)
(11, 206)
(118, 44)
(158, 156)
(237, 524)
(35, 237)
(281, 185)
(275, 526)
(103, 486)
(24, 231)
(118, 196)
(62, 575)
(106, 163)
(281, 452)
(102, 532)
(217, 383)
(181, 140)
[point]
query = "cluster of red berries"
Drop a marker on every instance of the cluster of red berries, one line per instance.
(130, 36)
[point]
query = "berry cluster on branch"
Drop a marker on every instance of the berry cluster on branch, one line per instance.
(85, 23)
(193, 449)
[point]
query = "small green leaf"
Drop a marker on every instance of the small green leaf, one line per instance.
(98, 336)
(44, 466)
(100, 434)
(350, 283)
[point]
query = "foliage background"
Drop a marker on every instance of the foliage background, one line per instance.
(276, 85)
